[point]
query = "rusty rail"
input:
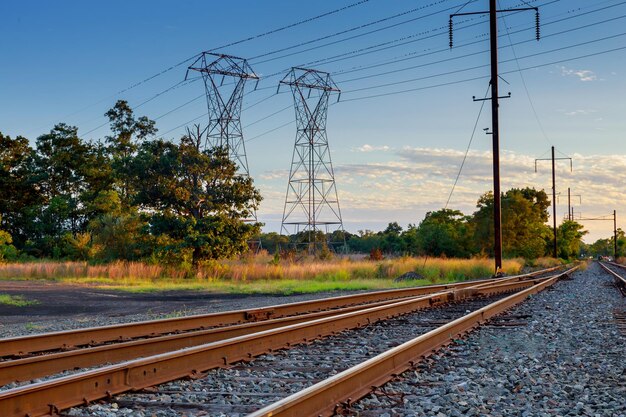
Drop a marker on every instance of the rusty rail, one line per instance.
(620, 281)
(326, 397)
(69, 339)
(47, 398)
(29, 368)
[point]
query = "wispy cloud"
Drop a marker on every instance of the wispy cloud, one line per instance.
(579, 112)
(370, 148)
(418, 180)
(583, 75)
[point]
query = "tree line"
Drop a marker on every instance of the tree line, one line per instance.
(451, 233)
(130, 196)
(133, 196)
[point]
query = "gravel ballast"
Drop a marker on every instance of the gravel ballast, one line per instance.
(569, 360)
(565, 356)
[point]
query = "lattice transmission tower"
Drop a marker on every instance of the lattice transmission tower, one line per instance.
(311, 204)
(224, 102)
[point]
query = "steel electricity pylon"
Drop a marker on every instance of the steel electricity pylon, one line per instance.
(311, 203)
(224, 102)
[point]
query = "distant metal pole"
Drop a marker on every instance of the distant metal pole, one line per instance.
(495, 129)
(614, 235)
(569, 204)
(554, 203)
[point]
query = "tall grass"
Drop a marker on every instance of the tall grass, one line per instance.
(260, 274)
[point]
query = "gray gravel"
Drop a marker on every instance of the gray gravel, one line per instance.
(569, 360)
(246, 387)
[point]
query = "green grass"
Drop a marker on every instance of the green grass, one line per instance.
(278, 287)
(16, 300)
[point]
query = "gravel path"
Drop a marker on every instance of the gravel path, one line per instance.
(570, 359)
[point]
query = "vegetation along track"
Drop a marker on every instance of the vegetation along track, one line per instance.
(620, 280)
(45, 398)
(66, 340)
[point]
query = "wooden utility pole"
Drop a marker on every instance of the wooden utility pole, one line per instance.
(495, 128)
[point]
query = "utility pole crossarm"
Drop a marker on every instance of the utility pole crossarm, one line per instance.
(495, 129)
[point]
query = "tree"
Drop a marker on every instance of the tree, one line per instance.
(524, 232)
(19, 193)
(8, 252)
(128, 133)
(194, 200)
(569, 239)
(444, 232)
(61, 164)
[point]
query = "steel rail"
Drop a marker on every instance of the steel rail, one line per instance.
(620, 281)
(49, 397)
(69, 339)
(27, 369)
(328, 396)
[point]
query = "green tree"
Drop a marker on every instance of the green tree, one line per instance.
(8, 252)
(444, 232)
(194, 199)
(19, 192)
(524, 232)
(128, 134)
(365, 241)
(569, 239)
(273, 242)
(61, 169)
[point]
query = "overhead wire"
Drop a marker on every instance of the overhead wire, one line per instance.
(442, 50)
(351, 91)
(469, 145)
(440, 74)
(523, 79)
(250, 38)
(481, 77)
(352, 29)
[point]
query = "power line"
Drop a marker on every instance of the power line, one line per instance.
(469, 145)
(289, 26)
(352, 29)
(483, 65)
(413, 55)
(278, 73)
(480, 77)
(521, 74)
(250, 38)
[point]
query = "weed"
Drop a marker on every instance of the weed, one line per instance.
(16, 300)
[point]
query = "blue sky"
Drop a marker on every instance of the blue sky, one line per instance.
(395, 155)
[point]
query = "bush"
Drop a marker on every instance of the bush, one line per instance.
(376, 254)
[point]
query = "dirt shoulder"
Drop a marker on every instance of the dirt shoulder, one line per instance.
(61, 306)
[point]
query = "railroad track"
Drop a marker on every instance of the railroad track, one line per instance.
(25, 346)
(619, 278)
(229, 344)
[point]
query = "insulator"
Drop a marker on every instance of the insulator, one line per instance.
(450, 32)
(537, 26)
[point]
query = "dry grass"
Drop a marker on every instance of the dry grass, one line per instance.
(258, 274)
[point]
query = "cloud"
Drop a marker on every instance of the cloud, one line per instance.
(370, 148)
(583, 75)
(579, 112)
(417, 180)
